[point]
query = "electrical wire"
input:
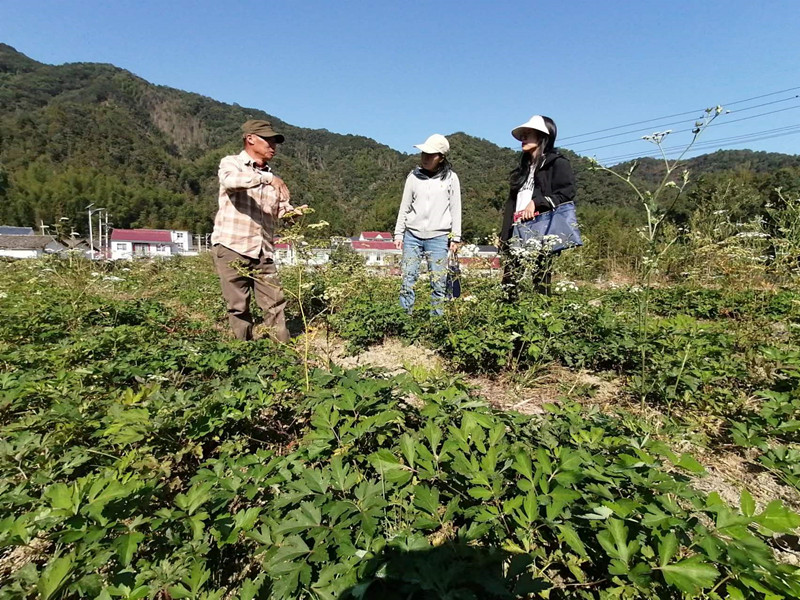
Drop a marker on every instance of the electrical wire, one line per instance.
(690, 112)
(716, 124)
(672, 123)
(729, 141)
(673, 151)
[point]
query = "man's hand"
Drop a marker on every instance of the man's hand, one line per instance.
(398, 244)
(455, 247)
(529, 212)
(280, 187)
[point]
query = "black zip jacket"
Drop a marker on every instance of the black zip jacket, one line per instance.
(554, 179)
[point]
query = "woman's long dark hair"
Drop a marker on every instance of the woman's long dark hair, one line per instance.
(520, 173)
(444, 168)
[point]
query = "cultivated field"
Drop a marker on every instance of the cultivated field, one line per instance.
(615, 440)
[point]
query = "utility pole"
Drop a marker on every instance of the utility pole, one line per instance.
(91, 211)
(100, 230)
(91, 238)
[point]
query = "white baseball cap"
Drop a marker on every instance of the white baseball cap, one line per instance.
(435, 144)
(535, 122)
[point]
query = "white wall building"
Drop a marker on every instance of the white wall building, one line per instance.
(182, 241)
(29, 246)
(377, 253)
(131, 243)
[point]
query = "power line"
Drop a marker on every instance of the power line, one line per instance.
(711, 143)
(675, 150)
(718, 123)
(691, 112)
(753, 137)
(639, 130)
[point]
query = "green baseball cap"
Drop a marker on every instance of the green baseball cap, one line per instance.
(262, 129)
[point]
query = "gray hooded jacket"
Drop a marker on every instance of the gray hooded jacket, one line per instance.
(431, 206)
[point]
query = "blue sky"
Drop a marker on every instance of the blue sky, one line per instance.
(399, 71)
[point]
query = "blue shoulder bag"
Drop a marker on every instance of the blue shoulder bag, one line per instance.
(550, 232)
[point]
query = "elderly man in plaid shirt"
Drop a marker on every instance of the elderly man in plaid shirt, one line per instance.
(251, 200)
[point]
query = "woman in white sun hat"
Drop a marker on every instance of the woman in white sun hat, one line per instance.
(542, 180)
(429, 221)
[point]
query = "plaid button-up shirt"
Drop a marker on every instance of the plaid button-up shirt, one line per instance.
(248, 207)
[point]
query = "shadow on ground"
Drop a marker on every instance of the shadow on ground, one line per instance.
(451, 571)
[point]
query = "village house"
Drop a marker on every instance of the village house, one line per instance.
(182, 241)
(81, 246)
(286, 254)
(130, 243)
(479, 258)
(29, 246)
(377, 253)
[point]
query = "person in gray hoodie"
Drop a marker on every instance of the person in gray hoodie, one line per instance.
(429, 221)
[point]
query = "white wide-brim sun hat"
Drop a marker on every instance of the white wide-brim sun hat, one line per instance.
(435, 144)
(535, 122)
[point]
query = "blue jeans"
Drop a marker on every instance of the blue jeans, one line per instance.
(435, 252)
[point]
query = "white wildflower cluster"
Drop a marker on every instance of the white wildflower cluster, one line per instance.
(635, 289)
(657, 136)
(549, 242)
(112, 278)
(3, 295)
(526, 248)
(562, 287)
(335, 294)
(546, 315)
(533, 246)
(95, 274)
(573, 306)
(469, 299)
(752, 234)
(719, 212)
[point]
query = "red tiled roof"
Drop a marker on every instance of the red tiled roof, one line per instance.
(373, 245)
(160, 236)
(489, 262)
(372, 236)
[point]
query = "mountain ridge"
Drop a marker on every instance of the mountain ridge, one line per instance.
(78, 133)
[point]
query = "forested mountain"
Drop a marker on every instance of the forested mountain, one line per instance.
(80, 133)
